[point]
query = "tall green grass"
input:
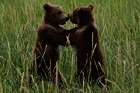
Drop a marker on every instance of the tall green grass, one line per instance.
(118, 23)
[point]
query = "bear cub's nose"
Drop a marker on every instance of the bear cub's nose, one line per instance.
(67, 18)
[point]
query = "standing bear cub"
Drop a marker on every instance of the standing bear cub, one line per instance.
(84, 37)
(49, 36)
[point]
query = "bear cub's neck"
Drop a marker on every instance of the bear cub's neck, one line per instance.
(47, 21)
(87, 24)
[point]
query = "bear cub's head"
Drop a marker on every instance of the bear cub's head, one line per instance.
(54, 15)
(82, 16)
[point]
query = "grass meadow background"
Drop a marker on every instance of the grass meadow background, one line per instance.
(118, 23)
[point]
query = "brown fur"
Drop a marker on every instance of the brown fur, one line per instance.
(49, 36)
(90, 61)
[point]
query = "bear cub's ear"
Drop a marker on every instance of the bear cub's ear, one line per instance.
(91, 7)
(47, 7)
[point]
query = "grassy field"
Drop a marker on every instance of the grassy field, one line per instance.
(118, 23)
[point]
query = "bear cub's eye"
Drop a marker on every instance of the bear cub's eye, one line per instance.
(59, 12)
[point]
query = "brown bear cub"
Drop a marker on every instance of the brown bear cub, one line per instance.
(49, 36)
(90, 64)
